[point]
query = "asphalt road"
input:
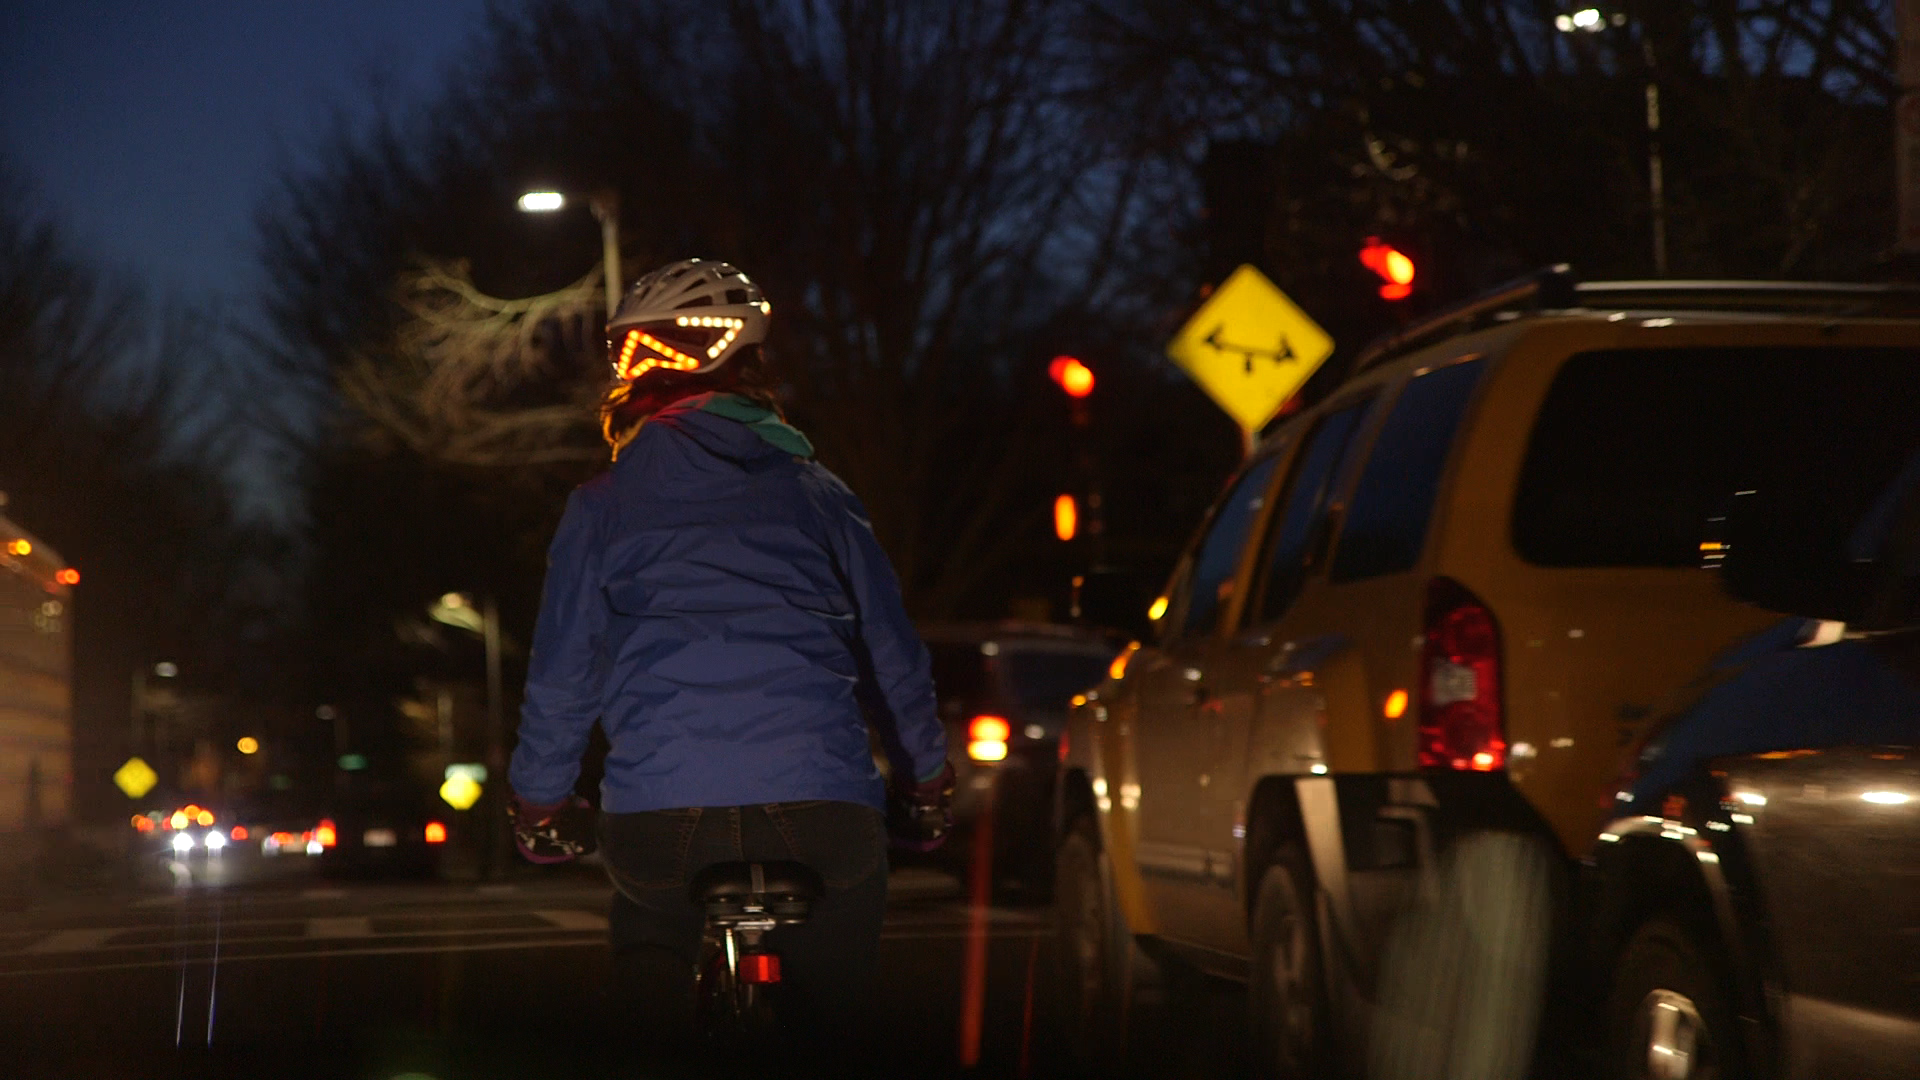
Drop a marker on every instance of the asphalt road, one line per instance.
(259, 968)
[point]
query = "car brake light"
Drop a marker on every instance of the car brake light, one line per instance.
(1064, 752)
(989, 728)
(987, 738)
(325, 834)
(760, 968)
(239, 832)
(436, 833)
(1461, 725)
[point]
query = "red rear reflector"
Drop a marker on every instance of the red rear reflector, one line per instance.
(1461, 724)
(436, 833)
(760, 968)
(989, 729)
(325, 835)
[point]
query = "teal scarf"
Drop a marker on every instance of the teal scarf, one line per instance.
(764, 421)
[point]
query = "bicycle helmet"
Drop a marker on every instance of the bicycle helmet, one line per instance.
(693, 315)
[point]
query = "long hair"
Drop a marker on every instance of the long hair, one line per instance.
(631, 404)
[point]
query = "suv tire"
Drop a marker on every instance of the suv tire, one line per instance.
(1286, 994)
(1668, 994)
(1099, 962)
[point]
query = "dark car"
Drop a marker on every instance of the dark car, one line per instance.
(1004, 690)
(1754, 906)
(385, 828)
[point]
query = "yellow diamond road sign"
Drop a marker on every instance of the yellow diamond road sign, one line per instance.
(460, 791)
(1250, 347)
(136, 778)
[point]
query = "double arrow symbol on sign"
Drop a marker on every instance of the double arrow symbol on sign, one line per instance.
(1279, 356)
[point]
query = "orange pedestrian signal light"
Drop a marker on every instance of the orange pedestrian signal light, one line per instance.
(1394, 267)
(1073, 376)
(436, 833)
(1066, 517)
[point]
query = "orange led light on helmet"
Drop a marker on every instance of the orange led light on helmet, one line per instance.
(666, 356)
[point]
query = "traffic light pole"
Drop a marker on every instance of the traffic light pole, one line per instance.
(1088, 466)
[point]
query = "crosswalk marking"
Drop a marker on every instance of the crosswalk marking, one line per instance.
(83, 940)
(340, 926)
(573, 920)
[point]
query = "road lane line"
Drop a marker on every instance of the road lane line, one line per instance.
(84, 940)
(323, 894)
(319, 954)
(340, 926)
(573, 920)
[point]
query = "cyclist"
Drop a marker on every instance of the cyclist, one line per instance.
(718, 602)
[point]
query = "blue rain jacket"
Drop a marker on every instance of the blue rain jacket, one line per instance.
(718, 602)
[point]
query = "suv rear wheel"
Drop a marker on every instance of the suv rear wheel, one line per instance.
(1668, 1017)
(1287, 995)
(1098, 958)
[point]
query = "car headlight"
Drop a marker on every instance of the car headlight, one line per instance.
(182, 842)
(215, 840)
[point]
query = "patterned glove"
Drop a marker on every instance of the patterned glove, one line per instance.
(561, 832)
(920, 817)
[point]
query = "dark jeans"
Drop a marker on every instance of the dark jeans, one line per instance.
(829, 964)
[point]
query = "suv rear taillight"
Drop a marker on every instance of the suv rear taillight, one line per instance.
(1461, 724)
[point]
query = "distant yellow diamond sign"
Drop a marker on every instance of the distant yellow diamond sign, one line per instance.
(460, 791)
(136, 778)
(1250, 347)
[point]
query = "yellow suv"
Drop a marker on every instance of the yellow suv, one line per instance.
(1436, 606)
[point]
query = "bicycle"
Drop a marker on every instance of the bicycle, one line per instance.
(743, 902)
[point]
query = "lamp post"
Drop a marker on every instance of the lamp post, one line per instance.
(605, 204)
(1591, 21)
(141, 710)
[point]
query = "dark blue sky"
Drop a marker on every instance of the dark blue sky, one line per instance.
(152, 129)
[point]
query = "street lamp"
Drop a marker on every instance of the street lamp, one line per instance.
(458, 610)
(606, 207)
(1592, 21)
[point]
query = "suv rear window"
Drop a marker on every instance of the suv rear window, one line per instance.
(1635, 449)
(959, 671)
(1387, 522)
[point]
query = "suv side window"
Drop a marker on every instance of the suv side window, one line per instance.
(1386, 523)
(1304, 506)
(1210, 584)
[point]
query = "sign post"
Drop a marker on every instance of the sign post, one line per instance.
(1250, 348)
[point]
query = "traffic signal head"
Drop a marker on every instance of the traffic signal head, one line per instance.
(1393, 266)
(1073, 376)
(1066, 517)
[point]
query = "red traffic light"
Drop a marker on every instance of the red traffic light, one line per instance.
(1066, 517)
(1393, 266)
(1073, 376)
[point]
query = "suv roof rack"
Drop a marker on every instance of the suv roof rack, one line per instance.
(1554, 288)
